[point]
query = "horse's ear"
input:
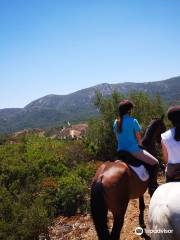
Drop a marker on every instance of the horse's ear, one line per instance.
(162, 117)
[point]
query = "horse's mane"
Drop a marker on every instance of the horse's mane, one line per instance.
(150, 130)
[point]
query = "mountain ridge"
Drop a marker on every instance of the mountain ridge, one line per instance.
(54, 109)
(103, 87)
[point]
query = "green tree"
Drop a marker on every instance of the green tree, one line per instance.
(100, 135)
(146, 107)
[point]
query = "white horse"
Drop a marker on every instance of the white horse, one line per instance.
(164, 212)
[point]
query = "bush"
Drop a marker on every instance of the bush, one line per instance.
(50, 169)
(22, 217)
(71, 194)
(75, 153)
(86, 171)
(39, 179)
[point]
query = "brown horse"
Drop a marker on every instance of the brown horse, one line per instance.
(114, 184)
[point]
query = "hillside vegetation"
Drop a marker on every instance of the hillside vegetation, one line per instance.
(41, 178)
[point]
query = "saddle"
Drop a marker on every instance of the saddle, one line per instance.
(129, 159)
(141, 169)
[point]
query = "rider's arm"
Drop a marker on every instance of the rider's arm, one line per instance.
(164, 152)
(137, 129)
(139, 139)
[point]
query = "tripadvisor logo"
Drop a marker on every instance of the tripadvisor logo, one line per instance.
(138, 231)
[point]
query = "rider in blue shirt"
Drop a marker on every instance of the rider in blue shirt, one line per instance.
(127, 139)
(127, 131)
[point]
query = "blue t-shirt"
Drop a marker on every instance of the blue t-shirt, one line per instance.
(126, 138)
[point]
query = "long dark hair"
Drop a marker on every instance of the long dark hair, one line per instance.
(125, 107)
(174, 117)
(177, 133)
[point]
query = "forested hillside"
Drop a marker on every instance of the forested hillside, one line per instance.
(54, 110)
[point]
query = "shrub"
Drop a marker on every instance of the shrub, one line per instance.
(54, 170)
(71, 194)
(40, 178)
(22, 216)
(75, 153)
(86, 171)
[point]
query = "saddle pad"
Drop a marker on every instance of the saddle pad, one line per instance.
(141, 172)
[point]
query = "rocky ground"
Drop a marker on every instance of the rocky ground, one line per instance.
(80, 227)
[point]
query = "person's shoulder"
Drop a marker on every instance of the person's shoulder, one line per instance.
(130, 118)
(134, 120)
(168, 134)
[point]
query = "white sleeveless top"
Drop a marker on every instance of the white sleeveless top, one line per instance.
(173, 146)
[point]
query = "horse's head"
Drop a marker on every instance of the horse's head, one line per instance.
(153, 131)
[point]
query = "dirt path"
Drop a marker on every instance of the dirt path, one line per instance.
(80, 227)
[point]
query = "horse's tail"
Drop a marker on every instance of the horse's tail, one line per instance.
(161, 224)
(99, 211)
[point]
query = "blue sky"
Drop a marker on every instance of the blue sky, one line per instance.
(61, 46)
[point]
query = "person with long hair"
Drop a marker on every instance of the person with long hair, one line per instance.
(171, 144)
(127, 131)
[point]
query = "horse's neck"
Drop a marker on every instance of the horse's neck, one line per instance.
(151, 145)
(152, 149)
